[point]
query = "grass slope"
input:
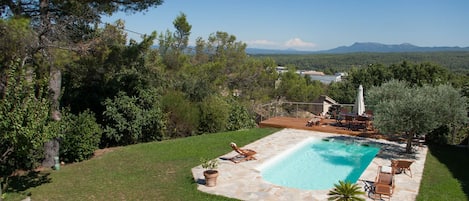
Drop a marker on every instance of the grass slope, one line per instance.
(150, 171)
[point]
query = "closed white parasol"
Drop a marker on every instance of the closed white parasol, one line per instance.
(359, 107)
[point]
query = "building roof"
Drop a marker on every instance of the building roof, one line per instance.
(324, 98)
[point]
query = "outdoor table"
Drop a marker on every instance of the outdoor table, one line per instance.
(353, 118)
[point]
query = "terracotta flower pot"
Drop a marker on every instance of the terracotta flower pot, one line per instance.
(211, 177)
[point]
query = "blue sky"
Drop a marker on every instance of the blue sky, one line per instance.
(312, 24)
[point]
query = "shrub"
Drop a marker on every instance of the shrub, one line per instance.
(81, 136)
(239, 117)
(131, 120)
(25, 123)
(183, 116)
(214, 114)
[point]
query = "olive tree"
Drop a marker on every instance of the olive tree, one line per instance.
(412, 110)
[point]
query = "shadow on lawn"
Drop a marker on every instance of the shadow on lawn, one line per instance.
(456, 160)
(23, 182)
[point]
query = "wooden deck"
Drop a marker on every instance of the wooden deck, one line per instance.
(327, 125)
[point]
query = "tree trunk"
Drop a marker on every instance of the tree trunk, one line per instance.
(51, 148)
(408, 148)
(55, 83)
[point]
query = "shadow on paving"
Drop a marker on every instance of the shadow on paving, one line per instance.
(456, 160)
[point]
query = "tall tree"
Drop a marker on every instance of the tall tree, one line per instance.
(420, 74)
(183, 31)
(411, 110)
(295, 87)
(64, 24)
(173, 45)
(17, 40)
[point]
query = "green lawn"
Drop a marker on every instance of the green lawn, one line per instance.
(446, 174)
(162, 171)
(150, 171)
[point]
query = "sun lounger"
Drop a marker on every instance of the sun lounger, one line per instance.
(314, 121)
(243, 154)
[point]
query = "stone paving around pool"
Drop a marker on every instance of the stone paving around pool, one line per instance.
(243, 180)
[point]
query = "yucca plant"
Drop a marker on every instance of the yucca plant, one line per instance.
(346, 191)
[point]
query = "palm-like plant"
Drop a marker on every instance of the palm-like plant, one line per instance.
(346, 191)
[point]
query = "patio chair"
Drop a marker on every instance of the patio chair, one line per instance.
(338, 118)
(418, 141)
(384, 183)
(362, 121)
(401, 165)
(351, 122)
(243, 154)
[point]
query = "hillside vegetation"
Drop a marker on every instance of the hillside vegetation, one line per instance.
(457, 61)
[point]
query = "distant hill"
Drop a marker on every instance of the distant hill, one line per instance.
(362, 47)
(272, 51)
(378, 47)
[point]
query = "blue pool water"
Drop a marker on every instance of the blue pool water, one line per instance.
(319, 164)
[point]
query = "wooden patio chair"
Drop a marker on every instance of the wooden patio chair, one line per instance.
(401, 165)
(352, 123)
(243, 154)
(362, 121)
(384, 183)
(338, 118)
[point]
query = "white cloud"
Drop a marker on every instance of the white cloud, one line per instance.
(298, 43)
(295, 43)
(261, 42)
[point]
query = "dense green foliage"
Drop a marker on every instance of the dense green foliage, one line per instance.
(24, 122)
(182, 115)
(295, 87)
(133, 119)
(415, 110)
(81, 136)
(56, 33)
(375, 75)
(213, 114)
(331, 63)
(239, 118)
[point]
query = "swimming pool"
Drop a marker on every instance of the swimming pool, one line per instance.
(317, 164)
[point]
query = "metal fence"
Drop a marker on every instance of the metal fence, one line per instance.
(293, 109)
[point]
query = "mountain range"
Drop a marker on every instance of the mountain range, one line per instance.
(361, 47)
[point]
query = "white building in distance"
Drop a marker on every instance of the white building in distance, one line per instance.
(315, 75)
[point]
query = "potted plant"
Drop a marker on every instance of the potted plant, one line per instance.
(210, 173)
